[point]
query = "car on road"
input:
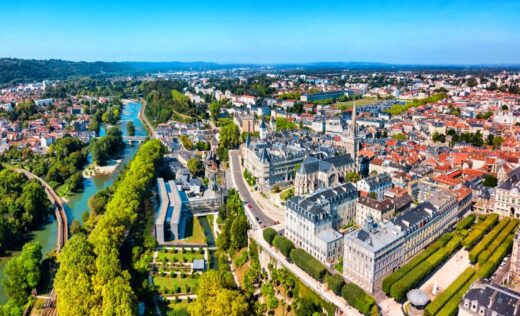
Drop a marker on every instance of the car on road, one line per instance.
(249, 205)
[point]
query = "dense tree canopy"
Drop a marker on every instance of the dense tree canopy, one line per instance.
(22, 274)
(216, 298)
(229, 139)
(95, 259)
(104, 148)
(23, 206)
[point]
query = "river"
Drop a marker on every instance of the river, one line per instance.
(78, 203)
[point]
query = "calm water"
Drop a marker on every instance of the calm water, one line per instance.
(78, 203)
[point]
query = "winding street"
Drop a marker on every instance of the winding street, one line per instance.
(241, 186)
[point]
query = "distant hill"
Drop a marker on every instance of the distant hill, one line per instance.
(14, 70)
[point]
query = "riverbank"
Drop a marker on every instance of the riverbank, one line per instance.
(93, 170)
(77, 204)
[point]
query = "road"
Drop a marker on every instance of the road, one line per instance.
(144, 119)
(61, 216)
(241, 186)
(318, 287)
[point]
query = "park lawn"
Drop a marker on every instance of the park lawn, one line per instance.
(194, 233)
(287, 194)
(178, 257)
(359, 103)
(172, 283)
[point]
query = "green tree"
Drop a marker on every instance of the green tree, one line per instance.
(490, 181)
(130, 128)
(216, 298)
(195, 166)
(238, 233)
(497, 142)
(22, 274)
(77, 265)
(352, 176)
(229, 139)
(214, 109)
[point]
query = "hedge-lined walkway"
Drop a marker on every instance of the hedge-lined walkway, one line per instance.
(489, 253)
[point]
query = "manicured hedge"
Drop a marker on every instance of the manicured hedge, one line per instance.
(478, 232)
(283, 244)
(357, 298)
(335, 283)
(498, 255)
(452, 306)
(484, 256)
(398, 274)
(450, 291)
(308, 264)
(269, 234)
(482, 245)
(466, 222)
(412, 278)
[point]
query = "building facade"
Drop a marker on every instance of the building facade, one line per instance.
(317, 173)
(312, 222)
(507, 195)
(377, 249)
(377, 184)
(271, 163)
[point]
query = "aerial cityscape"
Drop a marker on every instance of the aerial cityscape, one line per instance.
(275, 158)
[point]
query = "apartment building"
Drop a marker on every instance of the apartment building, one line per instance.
(507, 195)
(312, 222)
(375, 250)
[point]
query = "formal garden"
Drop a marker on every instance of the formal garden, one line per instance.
(487, 239)
(176, 269)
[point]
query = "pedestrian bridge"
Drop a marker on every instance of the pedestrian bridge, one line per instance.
(134, 139)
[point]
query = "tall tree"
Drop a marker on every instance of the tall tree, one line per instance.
(23, 274)
(216, 298)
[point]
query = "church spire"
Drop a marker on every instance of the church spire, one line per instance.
(354, 121)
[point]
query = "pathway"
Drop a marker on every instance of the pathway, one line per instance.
(315, 285)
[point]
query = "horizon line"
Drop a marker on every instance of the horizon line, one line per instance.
(266, 64)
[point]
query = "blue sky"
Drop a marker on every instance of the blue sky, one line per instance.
(264, 31)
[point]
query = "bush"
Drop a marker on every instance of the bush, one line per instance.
(335, 283)
(284, 245)
(269, 234)
(397, 275)
(450, 291)
(478, 232)
(357, 298)
(412, 278)
(466, 222)
(308, 264)
(473, 254)
(241, 258)
(287, 194)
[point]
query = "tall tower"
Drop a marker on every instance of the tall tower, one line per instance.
(352, 141)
